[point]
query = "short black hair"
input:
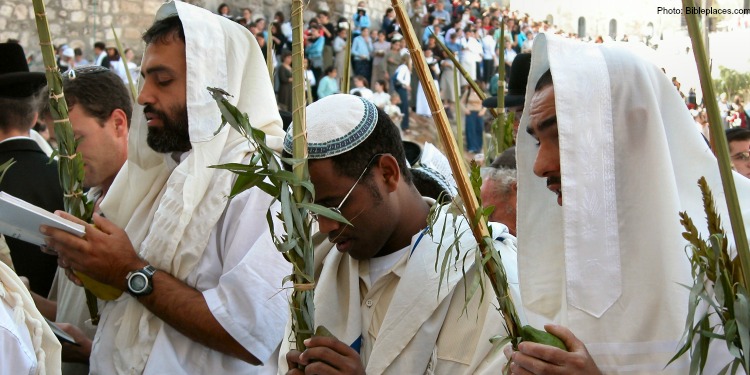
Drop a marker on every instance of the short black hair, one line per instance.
(99, 91)
(163, 30)
(100, 45)
(737, 134)
(544, 81)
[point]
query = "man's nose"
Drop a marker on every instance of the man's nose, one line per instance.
(326, 225)
(546, 163)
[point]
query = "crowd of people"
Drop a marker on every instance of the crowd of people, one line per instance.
(584, 207)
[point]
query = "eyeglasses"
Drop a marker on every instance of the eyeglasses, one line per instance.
(337, 209)
(742, 156)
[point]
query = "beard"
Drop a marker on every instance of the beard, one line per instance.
(173, 135)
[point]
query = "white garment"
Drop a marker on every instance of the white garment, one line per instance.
(380, 99)
(613, 255)
(240, 275)
(15, 344)
(423, 106)
(27, 344)
(489, 46)
(100, 58)
(172, 211)
(426, 329)
(364, 92)
(119, 68)
(403, 75)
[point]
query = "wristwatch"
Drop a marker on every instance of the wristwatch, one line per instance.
(140, 282)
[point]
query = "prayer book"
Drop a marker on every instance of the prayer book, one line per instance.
(21, 220)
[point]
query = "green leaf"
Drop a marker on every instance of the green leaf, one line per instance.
(324, 211)
(529, 333)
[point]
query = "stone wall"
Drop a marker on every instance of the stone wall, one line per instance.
(80, 23)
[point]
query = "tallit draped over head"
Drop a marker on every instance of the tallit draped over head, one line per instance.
(169, 210)
(609, 263)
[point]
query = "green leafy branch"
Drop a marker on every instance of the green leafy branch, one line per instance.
(265, 172)
(717, 282)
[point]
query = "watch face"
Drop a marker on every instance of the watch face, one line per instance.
(138, 283)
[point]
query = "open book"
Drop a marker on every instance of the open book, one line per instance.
(20, 219)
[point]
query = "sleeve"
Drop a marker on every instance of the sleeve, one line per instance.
(248, 301)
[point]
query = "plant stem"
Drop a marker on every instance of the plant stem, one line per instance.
(345, 75)
(492, 267)
(461, 69)
(302, 307)
(269, 51)
(459, 113)
(721, 150)
(131, 84)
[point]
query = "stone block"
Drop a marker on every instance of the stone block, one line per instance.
(6, 10)
(78, 16)
(129, 7)
(20, 12)
(3, 23)
(106, 21)
(55, 29)
(63, 14)
(105, 6)
(71, 4)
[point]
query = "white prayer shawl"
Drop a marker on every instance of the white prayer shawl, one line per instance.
(47, 348)
(169, 210)
(426, 329)
(609, 263)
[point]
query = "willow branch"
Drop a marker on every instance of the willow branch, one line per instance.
(479, 228)
(721, 150)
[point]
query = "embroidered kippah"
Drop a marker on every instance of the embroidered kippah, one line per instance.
(335, 125)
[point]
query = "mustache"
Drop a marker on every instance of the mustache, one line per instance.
(553, 180)
(150, 109)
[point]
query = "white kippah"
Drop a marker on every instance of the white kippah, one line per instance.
(335, 125)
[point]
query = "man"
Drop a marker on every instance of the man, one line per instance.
(100, 110)
(80, 61)
(441, 13)
(739, 149)
(500, 189)
(102, 58)
(328, 30)
(622, 167)
(380, 294)
(202, 272)
(33, 177)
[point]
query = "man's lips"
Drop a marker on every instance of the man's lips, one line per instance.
(152, 118)
(554, 185)
(342, 243)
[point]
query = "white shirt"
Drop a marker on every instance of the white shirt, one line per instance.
(381, 99)
(15, 345)
(100, 58)
(240, 275)
(403, 75)
(488, 47)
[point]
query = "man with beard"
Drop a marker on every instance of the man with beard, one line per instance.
(380, 294)
(610, 258)
(201, 271)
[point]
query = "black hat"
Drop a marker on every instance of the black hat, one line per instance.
(15, 79)
(413, 152)
(519, 76)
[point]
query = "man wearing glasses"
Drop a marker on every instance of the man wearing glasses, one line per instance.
(381, 294)
(739, 149)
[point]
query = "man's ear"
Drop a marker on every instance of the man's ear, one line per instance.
(514, 186)
(120, 121)
(389, 171)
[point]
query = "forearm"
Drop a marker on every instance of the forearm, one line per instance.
(186, 310)
(46, 307)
